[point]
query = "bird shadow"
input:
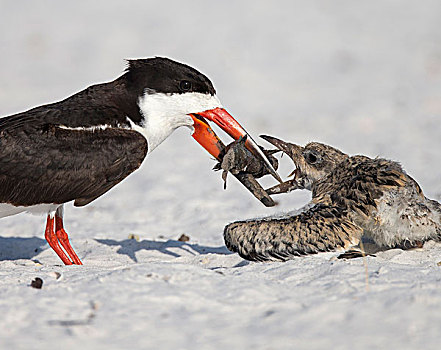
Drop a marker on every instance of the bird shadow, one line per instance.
(16, 248)
(130, 246)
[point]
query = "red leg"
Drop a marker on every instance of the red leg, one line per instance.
(64, 240)
(51, 238)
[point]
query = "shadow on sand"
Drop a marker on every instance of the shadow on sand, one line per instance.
(15, 248)
(130, 246)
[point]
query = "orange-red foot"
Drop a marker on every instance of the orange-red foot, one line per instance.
(63, 238)
(52, 239)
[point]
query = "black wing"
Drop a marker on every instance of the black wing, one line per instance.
(42, 162)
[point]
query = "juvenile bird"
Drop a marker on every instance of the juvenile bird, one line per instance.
(351, 197)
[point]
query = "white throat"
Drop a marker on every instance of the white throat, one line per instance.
(163, 113)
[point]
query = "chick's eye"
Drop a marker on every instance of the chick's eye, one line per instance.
(185, 85)
(311, 158)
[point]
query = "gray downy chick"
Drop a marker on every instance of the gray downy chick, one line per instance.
(351, 197)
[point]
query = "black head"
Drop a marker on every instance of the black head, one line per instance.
(163, 95)
(163, 75)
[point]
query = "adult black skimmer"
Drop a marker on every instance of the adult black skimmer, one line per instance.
(79, 148)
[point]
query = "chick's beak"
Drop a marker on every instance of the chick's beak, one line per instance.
(207, 138)
(289, 148)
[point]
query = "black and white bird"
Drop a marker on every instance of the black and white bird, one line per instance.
(79, 148)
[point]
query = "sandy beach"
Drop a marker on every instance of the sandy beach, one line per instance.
(363, 77)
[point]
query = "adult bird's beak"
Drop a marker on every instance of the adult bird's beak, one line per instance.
(205, 135)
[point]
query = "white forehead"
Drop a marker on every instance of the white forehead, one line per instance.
(160, 104)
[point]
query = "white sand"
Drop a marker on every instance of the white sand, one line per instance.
(362, 76)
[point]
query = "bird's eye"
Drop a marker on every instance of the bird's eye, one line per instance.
(185, 85)
(311, 158)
